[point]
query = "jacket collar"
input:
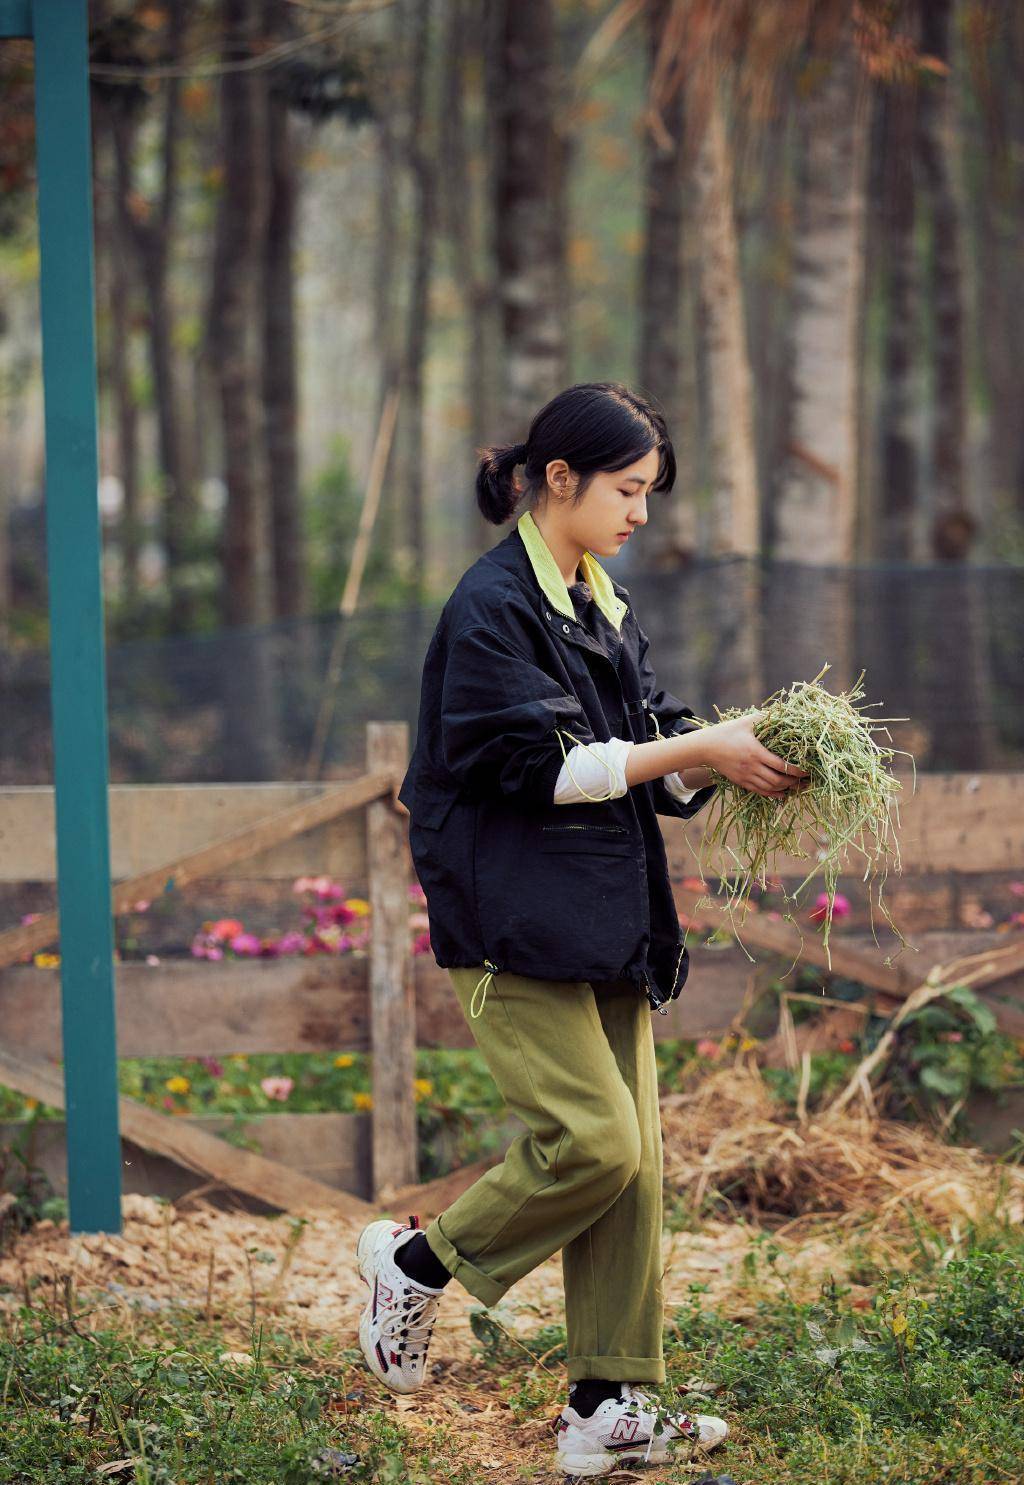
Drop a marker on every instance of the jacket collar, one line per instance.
(553, 584)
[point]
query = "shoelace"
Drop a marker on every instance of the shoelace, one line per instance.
(639, 1400)
(412, 1320)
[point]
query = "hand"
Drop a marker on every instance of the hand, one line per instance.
(732, 749)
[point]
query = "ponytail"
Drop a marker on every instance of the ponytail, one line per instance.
(496, 492)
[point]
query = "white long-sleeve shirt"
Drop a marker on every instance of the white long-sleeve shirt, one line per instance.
(598, 770)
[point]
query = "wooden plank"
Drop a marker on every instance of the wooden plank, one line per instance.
(152, 823)
(330, 1147)
(774, 935)
(959, 822)
(182, 1142)
(392, 1008)
(189, 1008)
(30, 937)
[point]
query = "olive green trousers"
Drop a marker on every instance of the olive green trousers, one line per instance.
(575, 1062)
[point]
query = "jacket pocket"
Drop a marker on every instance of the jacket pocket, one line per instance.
(431, 805)
(602, 840)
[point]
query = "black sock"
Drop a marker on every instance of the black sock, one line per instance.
(416, 1258)
(587, 1395)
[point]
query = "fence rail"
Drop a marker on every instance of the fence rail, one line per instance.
(961, 840)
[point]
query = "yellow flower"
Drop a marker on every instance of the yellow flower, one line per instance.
(748, 1044)
(357, 905)
(363, 1101)
(46, 961)
(31, 1103)
(177, 1084)
(240, 1058)
(345, 1060)
(424, 1087)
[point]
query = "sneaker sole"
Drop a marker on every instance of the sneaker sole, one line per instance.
(588, 1466)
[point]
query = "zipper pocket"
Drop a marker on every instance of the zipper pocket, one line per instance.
(601, 829)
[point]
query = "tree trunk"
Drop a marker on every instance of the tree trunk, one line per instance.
(736, 503)
(815, 506)
(152, 233)
(385, 267)
(249, 715)
(466, 226)
(665, 294)
(420, 156)
(280, 396)
(530, 234)
(953, 525)
(893, 525)
(233, 313)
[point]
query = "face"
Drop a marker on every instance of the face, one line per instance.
(612, 509)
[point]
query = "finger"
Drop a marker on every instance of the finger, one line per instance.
(782, 765)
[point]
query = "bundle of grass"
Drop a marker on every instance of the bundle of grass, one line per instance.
(729, 1142)
(846, 801)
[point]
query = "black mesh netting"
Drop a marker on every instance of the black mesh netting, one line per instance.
(939, 644)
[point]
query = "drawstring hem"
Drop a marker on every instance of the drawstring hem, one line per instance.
(484, 980)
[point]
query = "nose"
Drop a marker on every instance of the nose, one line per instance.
(638, 516)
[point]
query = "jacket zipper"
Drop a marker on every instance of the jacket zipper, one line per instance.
(601, 829)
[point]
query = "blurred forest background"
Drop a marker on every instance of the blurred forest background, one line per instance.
(796, 224)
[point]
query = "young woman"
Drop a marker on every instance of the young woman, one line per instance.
(545, 751)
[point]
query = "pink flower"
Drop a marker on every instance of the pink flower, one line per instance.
(707, 1048)
(278, 1088)
(951, 1036)
(840, 907)
(421, 944)
(416, 893)
(31, 917)
(291, 942)
(225, 928)
(244, 943)
(419, 920)
(1017, 918)
(215, 1068)
(152, 959)
(214, 952)
(773, 913)
(168, 1101)
(1017, 888)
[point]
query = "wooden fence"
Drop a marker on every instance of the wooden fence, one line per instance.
(961, 841)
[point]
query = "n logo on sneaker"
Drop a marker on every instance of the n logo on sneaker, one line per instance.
(625, 1430)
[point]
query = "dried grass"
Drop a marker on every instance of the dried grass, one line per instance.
(847, 802)
(730, 1139)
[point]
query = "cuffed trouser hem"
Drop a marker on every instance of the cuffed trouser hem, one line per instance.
(480, 1285)
(616, 1368)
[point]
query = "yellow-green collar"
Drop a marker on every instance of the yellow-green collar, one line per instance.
(553, 583)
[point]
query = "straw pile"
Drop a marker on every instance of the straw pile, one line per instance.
(729, 1139)
(845, 803)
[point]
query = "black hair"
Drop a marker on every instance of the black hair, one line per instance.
(593, 426)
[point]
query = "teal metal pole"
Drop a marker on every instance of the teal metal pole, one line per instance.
(77, 659)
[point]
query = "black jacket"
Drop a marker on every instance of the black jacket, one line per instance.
(560, 892)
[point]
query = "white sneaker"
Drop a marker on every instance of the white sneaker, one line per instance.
(623, 1431)
(395, 1326)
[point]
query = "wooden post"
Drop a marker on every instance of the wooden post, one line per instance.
(392, 1008)
(78, 665)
